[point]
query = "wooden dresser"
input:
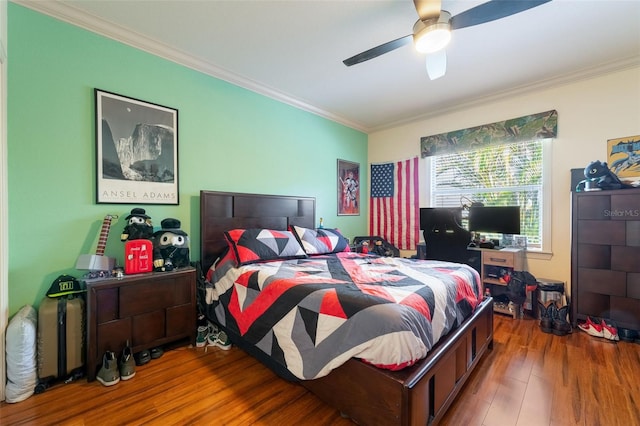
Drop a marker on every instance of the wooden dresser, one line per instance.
(605, 256)
(148, 310)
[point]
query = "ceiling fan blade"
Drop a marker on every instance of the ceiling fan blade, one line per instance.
(491, 11)
(437, 64)
(428, 9)
(378, 50)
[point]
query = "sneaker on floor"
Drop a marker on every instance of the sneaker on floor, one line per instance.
(609, 330)
(127, 364)
(220, 340)
(202, 336)
(109, 374)
(593, 327)
(213, 329)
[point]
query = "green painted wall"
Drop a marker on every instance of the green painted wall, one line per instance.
(230, 139)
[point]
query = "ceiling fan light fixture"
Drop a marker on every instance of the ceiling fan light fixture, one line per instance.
(432, 35)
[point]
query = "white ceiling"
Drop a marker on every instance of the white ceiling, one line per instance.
(293, 50)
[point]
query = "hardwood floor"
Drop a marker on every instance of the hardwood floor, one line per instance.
(530, 378)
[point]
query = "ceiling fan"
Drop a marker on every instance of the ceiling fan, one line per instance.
(432, 30)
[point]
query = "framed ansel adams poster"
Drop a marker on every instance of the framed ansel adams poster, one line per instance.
(136, 151)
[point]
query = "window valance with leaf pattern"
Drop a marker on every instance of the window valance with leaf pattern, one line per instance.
(543, 125)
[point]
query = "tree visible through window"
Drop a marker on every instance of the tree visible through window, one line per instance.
(498, 175)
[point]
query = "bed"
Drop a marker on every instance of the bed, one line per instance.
(404, 391)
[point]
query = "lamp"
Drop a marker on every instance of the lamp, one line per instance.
(432, 35)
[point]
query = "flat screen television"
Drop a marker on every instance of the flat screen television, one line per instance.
(437, 219)
(498, 220)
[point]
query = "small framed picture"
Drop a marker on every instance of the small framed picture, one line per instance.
(136, 151)
(623, 157)
(507, 240)
(348, 188)
(520, 241)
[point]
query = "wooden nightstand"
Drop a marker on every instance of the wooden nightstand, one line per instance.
(148, 310)
(494, 264)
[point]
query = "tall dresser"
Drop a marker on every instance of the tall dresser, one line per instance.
(605, 256)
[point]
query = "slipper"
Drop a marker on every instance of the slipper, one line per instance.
(627, 335)
(156, 352)
(142, 357)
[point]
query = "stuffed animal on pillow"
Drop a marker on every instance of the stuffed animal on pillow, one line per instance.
(170, 246)
(138, 226)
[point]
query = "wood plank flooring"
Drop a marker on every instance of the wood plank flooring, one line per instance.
(530, 378)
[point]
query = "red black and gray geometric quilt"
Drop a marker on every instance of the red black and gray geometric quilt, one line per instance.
(311, 315)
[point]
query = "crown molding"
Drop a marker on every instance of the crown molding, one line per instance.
(79, 18)
(92, 23)
(556, 81)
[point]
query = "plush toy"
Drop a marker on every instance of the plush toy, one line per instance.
(170, 246)
(598, 176)
(138, 226)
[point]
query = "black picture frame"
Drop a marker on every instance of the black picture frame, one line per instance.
(136, 151)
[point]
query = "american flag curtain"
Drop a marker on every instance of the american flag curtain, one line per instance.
(394, 205)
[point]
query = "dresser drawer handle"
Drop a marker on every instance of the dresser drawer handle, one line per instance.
(497, 259)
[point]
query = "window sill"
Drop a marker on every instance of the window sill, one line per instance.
(539, 254)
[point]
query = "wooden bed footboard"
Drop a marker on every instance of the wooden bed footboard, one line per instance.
(418, 395)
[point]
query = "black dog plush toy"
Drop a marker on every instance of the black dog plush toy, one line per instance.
(170, 246)
(598, 176)
(138, 226)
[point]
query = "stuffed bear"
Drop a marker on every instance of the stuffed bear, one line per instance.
(170, 246)
(138, 226)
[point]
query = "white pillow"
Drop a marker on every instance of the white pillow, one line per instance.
(21, 351)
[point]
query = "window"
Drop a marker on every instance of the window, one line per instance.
(498, 175)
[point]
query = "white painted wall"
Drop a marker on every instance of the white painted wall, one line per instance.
(590, 111)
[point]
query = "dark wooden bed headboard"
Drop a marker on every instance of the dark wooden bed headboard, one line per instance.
(222, 211)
